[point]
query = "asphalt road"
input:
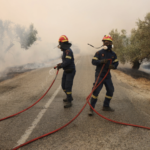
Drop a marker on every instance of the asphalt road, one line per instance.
(85, 133)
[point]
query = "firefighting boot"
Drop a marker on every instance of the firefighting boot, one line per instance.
(65, 99)
(90, 112)
(107, 109)
(68, 104)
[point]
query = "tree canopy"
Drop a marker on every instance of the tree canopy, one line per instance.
(9, 33)
(135, 47)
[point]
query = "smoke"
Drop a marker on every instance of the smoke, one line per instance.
(26, 37)
(10, 33)
(21, 49)
(15, 40)
(76, 49)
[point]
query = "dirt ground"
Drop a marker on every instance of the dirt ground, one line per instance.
(139, 84)
(138, 79)
(139, 93)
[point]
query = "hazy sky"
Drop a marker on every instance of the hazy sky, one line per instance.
(83, 21)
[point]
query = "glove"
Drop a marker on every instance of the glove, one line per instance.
(104, 61)
(111, 67)
(59, 66)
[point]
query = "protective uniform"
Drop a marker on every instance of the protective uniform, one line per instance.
(69, 73)
(68, 66)
(98, 60)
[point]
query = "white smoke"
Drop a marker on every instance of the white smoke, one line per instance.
(21, 49)
(15, 40)
(10, 33)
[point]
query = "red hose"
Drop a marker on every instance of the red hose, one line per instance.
(60, 127)
(108, 118)
(87, 101)
(34, 103)
(117, 121)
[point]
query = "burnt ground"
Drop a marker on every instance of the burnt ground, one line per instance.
(135, 73)
(12, 73)
(4, 89)
(139, 80)
(143, 72)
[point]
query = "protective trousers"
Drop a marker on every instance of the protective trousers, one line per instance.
(109, 88)
(67, 83)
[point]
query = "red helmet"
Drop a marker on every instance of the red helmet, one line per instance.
(107, 38)
(63, 38)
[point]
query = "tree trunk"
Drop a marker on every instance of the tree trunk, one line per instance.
(136, 64)
(9, 47)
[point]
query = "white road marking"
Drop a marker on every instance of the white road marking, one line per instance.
(27, 133)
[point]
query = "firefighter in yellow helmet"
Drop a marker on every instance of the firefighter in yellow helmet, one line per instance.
(68, 66)
(101, 57)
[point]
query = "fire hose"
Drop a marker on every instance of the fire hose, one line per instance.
(34, 103)
(87, 101)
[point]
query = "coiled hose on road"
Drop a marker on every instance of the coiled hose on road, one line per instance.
(87, 101)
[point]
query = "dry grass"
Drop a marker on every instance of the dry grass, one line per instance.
(141, 85)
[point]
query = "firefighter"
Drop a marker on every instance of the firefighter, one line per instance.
(68, 66)
(101, 57)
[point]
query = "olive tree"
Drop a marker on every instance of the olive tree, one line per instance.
(139, 47)
(120, 42)
(25, 36)
(10, 33)
(136, 47)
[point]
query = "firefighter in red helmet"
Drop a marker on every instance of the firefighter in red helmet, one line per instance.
(101, 57)
(68, 66)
